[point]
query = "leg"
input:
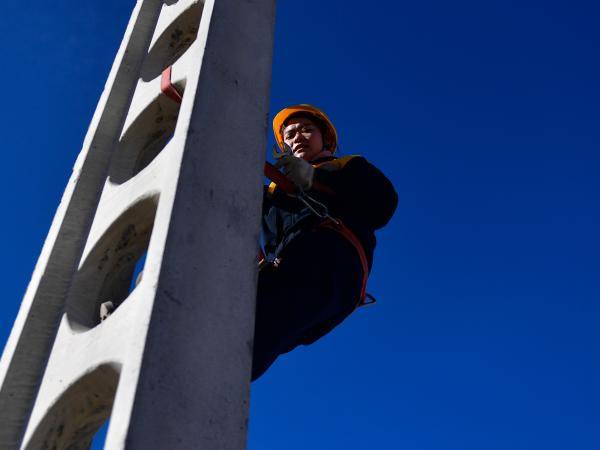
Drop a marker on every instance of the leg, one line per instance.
(315, 288)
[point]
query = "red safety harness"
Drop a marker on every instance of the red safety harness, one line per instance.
(330, 223)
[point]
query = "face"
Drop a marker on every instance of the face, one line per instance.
(304, 137)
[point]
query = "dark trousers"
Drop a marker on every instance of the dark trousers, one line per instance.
(314, 288)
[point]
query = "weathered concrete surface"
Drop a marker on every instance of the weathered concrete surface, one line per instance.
(33, 333)
(78, 413)
(178, 185)
(194, 384)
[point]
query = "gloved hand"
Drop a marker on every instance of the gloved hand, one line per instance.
(301, 172)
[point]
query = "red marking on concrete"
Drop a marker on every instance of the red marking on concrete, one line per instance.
(168, 88)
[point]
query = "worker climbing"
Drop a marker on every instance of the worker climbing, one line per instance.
(319, 222)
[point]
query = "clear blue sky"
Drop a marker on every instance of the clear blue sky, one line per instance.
(485, 116)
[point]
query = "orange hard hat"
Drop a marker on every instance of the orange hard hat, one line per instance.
(330, 134)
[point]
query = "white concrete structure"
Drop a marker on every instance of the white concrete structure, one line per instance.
(178, 182)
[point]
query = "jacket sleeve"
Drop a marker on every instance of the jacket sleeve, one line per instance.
(357, 190)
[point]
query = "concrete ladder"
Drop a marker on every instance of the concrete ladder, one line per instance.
(175, 187)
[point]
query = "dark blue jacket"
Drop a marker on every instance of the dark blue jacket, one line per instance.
(355, 191)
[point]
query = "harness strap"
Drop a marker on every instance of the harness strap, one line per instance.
(282, 182)
(355, 242)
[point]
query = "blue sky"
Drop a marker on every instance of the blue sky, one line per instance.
(485, 116)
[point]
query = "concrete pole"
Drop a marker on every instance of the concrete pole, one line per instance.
(175, 187)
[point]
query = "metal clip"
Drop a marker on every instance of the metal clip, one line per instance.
(316, 207)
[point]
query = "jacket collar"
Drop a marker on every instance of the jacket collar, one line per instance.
(322, 159)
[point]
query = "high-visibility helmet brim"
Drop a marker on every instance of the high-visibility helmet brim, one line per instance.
(330, 138)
